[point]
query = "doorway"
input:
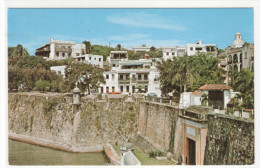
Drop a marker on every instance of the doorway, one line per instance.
(192, 152)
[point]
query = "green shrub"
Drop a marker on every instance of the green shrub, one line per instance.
(42, 85)
(230, 111)
(154, 154)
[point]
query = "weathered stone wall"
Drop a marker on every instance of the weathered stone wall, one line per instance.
(53, 117)
(230, 141)
(157, 125)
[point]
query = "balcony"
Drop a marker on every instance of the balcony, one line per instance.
(43, 50)
(63, 49)
(142, 81)
(124, 81)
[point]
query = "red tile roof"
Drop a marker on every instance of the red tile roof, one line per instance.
(197, 92)
(215, 87)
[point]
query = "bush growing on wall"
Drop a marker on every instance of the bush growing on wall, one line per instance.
(42, 85)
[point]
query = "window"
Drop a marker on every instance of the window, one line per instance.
(121, 88)
(173, 53)
(245, 55)
(107, 76)
(69, 54)
(167, 53)
(107, 89)
(113, 76)
(63, 54)
(191, 48)
(127, 88)
(145, 77)
(198, 48)
(99, 59)
(89, 58)
(114, 65)
(57, 54)
(102, 90)
(121, 77)
(127, 76)
(139, 77)
(95, 58)
(113, 88)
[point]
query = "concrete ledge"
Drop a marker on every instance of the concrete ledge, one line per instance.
(54, 145)
(111, 154)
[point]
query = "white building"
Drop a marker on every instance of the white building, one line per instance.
(219, 95)
(142, 48)
(193, 48)
(91, 59)
(59, 69)
(131, 76)
(58, 50)
(190, 49)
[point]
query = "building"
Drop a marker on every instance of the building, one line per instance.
(240, 55)
(219, 95)
(58, 50)
(59, 69)
(190, 49)
(91, 59)
(193, 48)
(142, 48)
(131, 76)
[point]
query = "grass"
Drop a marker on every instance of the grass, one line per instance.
(144, 157)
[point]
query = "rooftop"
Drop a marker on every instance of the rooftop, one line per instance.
(215, 87)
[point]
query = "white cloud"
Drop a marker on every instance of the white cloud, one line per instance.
(146, 20)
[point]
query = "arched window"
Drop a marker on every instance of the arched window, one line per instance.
(229, 59)
(235, 59)
(235, 68)
(241, 58)
(240, 67)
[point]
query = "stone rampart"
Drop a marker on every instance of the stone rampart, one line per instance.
(53, 117)
(230, 140)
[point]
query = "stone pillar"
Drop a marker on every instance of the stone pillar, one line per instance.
(76, 112)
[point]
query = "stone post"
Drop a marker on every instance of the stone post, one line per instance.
(76, 112)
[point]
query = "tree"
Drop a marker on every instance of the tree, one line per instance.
(189, 72)
(118, 47)
(244, 83)
(88, 45)
(86, 76)
(152, 48)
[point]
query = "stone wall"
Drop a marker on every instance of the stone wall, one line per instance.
(230, 141)
(157, 127)
(53, 117)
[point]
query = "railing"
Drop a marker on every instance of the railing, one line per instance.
(164, 100)
(142, 81)
(124, 81)
(63, 49)
(43, 50)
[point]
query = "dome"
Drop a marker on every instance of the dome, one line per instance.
(76, 90)
(238, 42)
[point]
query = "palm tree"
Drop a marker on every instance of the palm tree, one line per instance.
(119, 47)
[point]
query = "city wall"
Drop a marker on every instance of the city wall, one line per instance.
(149, 125)
(53, 117)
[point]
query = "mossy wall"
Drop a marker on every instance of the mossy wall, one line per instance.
(53, 117)
(230, 141)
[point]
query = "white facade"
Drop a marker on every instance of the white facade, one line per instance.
(131, 76)
(190, 49)
(142, 48)
(59, 69)
(58, 50)
(91, 59)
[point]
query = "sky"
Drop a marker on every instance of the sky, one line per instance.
(130, 27)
